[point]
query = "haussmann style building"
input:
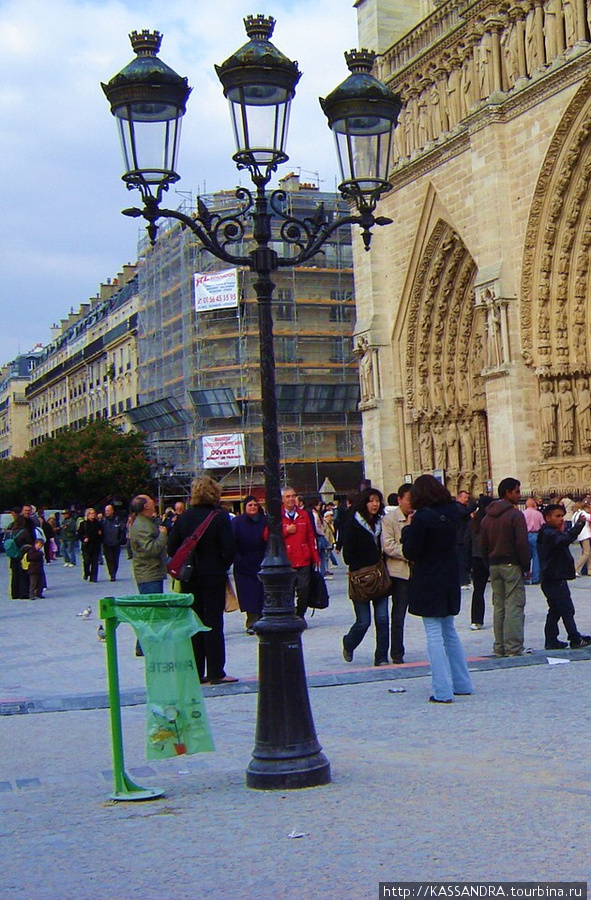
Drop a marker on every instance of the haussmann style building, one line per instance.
(199, 371)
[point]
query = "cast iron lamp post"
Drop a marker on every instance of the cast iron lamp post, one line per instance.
(148, 100)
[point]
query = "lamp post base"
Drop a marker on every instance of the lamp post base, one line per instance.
(287, 754)
(288, 774)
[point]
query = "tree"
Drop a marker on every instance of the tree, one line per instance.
(85, 466)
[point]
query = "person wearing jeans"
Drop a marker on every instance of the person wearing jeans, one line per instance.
(505, 547)
(449, 671)
(362, 546)
(584, 537)
(534, 521)
(392, 524)
(429, 542)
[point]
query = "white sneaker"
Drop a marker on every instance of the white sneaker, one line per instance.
(475, 626)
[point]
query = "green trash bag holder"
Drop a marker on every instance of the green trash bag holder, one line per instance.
(125, 787)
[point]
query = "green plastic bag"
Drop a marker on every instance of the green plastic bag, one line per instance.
(176, 720)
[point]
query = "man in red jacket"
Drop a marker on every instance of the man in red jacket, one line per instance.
(300, 544)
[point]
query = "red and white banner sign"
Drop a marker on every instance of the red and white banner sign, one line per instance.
(216, 290)
(221, 451)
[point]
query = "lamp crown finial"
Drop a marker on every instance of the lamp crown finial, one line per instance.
(360, 60)
(259, 28)
(145, 43)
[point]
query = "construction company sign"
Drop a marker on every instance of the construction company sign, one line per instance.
(222, 451)
(216, 290)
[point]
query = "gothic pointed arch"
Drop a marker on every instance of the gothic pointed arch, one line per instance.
(444, 356)
(556, 290)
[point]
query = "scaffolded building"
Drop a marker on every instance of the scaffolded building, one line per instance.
(199, 373)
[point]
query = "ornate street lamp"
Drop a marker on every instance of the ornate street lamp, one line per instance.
(259, 83)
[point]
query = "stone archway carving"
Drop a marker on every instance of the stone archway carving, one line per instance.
(445, 344)
(555, 294)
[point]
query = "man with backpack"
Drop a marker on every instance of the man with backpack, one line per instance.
(20, 535)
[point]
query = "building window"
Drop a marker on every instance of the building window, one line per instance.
(339, 350)
(342, 295)
(341, 313)
(285, 312)
(286, 349)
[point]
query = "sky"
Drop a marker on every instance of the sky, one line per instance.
(61, 230)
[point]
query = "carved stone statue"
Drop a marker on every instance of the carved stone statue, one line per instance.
(453, 447)
(547, 418)
(571, 24)
(532, 55)
(494, 345)
(551, 10)
(510, 48)
(453, 94)
(439, 444)
(438, 401)
(584, 414)
(366, 370)
(426, 448)
(466, 82)
(435, 104)
(566, 416)
(467, 446)
(423, 111)
(485, 65)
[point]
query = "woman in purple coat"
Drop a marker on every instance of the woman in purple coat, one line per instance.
(251, 533)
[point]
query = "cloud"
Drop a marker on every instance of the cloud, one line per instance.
(61, 231)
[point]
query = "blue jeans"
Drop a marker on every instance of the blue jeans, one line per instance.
(151, 587)
(322, 545)
(69, 550)
(362, 622)
(532, 539)
(449, 671)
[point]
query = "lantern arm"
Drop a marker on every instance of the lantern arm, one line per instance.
(216, 232)
(308, 235)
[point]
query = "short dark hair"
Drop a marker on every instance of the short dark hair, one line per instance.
(404, 488)
(428, 491)
(506, 485)
(551, 508)
(249, 499)
(137, 504)
(392, 499)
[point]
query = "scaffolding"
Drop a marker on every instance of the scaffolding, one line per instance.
(207, 364)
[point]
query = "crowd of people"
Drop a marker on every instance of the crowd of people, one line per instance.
(419, 551)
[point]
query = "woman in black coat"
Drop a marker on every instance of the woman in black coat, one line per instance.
(429, 542)
(90, 534)
(362, 546)
(250, 533)
(213, 557)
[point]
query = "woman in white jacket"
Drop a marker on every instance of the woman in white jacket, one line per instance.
(584, 536)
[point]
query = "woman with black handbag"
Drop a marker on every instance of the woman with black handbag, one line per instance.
(362, 551)
(211, 560)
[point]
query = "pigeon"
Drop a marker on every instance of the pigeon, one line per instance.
(100, 634)
(86, 613)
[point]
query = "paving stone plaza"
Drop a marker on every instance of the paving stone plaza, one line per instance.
(492, 787)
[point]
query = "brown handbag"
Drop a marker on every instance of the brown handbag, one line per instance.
(369, 583)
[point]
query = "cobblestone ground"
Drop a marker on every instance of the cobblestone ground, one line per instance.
(493, 787)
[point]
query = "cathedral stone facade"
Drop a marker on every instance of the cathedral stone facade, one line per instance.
(473, 315)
